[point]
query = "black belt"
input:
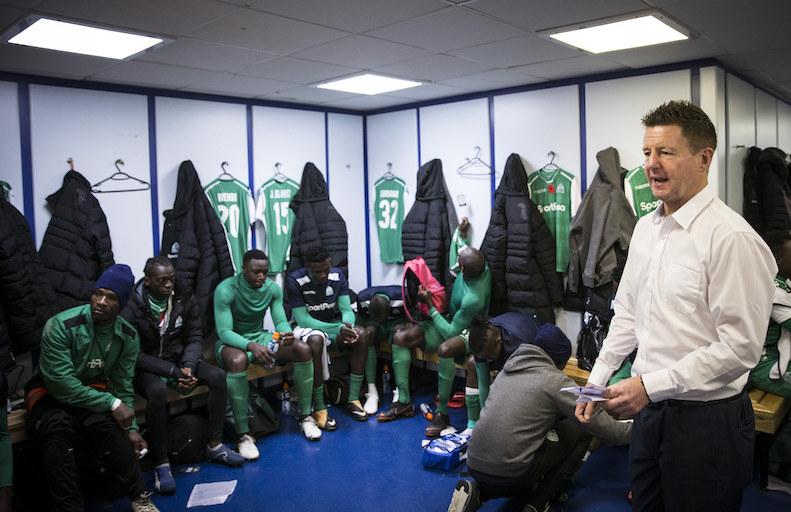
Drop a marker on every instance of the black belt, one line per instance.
(702, 403)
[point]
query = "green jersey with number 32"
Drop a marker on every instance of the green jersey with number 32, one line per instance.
(389, 215)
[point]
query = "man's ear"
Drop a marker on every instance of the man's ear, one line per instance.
(146, 281)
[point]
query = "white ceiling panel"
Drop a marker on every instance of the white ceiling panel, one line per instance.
(517, 52)
(569, 68)
(245, 86)
(153, 74)
(497, 79)
(433, 68)
(297, 70)
(199, 54)
(362, 52)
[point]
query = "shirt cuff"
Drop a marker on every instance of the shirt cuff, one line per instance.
(116, 405)
(658, 385)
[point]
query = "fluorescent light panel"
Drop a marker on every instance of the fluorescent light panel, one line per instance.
(620, 35)
(74, 38)
(369, 84)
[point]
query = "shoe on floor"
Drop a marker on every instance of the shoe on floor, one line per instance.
(437, 425)
(143, 503)
(163, 480)
(310, 430)
(465, 497)
(371, 403)
(356, 410)
(224, 455)
(246, 447)
(324, 420)
(397, 410)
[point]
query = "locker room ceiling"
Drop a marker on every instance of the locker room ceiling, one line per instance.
(280, 49)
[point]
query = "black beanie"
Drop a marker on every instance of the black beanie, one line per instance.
(119, 280)
(552, 341)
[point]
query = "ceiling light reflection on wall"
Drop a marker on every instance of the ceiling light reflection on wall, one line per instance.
(82, 39)
(620, 35)
(369, 84)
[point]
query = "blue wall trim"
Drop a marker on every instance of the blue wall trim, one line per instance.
(23, 92)
(366, 200)
(417, 121)
(490, 105)
(583, 142)
(153, 170)
(250, 173)
(327, 148)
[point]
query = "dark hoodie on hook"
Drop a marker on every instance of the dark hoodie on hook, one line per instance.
(426, 230)
(602, 228)
(520, 250)
(317, 222)
(194, 239)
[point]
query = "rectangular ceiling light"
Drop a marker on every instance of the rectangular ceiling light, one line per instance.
(369, 84)
(75, 38)
(620, 35)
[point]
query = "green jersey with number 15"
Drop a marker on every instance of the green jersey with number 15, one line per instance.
(272, 209)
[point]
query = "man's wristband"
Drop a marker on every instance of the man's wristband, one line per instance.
(116, 405)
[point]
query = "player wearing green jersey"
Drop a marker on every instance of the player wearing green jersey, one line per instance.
(273, 211)
(557, 195)
(638, 192)
(389, 215)
(233, 202)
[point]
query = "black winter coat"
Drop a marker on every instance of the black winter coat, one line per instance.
(194, 239)
(426, 232)
(181, 345)
(767, 196)
(76, 248)
(23, 288)
(317, 222)
(520, 250)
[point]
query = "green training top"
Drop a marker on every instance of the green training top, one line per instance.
(470, 297)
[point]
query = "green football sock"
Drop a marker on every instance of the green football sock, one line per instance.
(370, 366)
(318, 398)
(482, 370)
(238, 391)
(355, 381)
(473, 402)
(303, 384)
(447, 371)
(402, 358)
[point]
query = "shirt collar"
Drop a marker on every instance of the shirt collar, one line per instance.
(689, 211)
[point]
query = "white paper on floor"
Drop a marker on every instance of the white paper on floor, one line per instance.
(775, 484)
(214, 493)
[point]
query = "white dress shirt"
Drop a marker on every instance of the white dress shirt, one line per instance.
(695, 299)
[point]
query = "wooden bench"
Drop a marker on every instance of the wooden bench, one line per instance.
(771, 411)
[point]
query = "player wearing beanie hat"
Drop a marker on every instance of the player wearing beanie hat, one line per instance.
(119, 280)
(552, 341)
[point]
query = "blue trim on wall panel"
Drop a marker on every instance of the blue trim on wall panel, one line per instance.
(583, 141)
(327, 149)
(366, 200)
(490, 105)
(417, 121)
(26, 154)
(694, 85)
(250, 171)
(153, 170)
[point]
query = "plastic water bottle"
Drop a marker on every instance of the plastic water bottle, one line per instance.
(386, 389)
(285, 400)
(274, 344)
(427, 412)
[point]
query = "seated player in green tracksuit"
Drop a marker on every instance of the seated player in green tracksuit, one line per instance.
(240, 303)
(321, 307)
(447, 334)
(382, 314)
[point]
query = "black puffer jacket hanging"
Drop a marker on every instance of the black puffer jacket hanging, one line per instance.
(767, 196)
(520, 250)
(194, 239)
(426, 232)
(317, 222)
(24, 291)
(76, 248)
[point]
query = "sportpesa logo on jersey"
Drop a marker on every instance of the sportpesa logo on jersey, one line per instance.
(552, 207)
(649, 207)
(321, 307)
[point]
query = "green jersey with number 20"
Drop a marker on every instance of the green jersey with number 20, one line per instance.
(233, 202)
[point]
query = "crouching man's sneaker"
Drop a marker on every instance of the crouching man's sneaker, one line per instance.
(247, 448)
(309, 428)
(163, 480)
(465, 497)
(437, 425)
(397, 410)
(143, 503)
(224, 455)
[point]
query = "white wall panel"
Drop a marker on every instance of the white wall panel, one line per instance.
(712, 101)
(765, 120)
(784, 126)
(451, 132)
(391, 138)
(347, 189)
(740, 137)
(95, 129)
(613, 109)
(11, 172)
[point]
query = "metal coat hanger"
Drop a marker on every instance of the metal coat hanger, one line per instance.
(225, 174)
(118, 175)
(551, 166)
(471, 162)
(279, 176)
(389, 174)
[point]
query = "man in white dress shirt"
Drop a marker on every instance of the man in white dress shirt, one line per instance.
(694, 299)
